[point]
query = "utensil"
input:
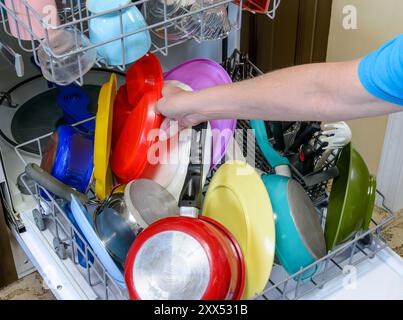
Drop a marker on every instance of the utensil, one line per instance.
(209, 74)
(305, 135)
(352, 198)
(130, 155)
(237, 198)
(108, 26)
(103, 137)
(52, 184)
(70, 67)
(69, 157)
(296, 219)
(335, 136)
(304, 160)
(79, 213)
(45, 9)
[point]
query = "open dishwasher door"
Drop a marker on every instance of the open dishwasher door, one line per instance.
(379, 278)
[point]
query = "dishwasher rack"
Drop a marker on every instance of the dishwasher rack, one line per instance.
(75, 16)
(68, 243)
(49, 214)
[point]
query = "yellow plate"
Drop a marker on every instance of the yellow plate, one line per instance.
(237, 198)
(103, 136)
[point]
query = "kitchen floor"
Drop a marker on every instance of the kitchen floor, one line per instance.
(31, 287)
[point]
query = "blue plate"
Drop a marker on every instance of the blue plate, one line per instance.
(79, 213)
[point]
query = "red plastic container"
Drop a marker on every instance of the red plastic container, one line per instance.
(135, 118)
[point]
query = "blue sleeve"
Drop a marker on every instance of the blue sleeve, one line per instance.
(381, 72)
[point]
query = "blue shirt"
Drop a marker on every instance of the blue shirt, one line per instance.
(381, 72)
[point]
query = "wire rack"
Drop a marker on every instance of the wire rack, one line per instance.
(68, 242)
(20, 20)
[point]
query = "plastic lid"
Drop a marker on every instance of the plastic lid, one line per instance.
(129, 158)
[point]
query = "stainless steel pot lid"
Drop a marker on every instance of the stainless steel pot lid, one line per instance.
(149, 202)
(306, 220)
(171, 265)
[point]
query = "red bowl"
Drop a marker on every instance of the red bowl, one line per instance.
(217, 255)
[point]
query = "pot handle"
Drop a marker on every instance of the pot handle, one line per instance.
(51, 184)
(191, 195)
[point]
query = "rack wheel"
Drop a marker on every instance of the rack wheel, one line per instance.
(60, 248)
(39, 220)
(367, 240)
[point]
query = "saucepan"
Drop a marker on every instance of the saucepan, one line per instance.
(185, 257)
(299, 236)
(352, 199)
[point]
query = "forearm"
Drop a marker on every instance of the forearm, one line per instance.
(324, 92)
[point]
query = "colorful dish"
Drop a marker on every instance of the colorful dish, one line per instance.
(352, 199)
(201, 74)
(237, 198)
(103, 137)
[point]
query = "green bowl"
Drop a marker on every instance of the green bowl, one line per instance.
(352, 199)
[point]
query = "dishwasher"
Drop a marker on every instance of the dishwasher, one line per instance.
(362, 268)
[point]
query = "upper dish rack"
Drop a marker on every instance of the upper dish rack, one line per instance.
(34, 31)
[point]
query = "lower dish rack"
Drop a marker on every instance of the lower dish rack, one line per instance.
(69, 244)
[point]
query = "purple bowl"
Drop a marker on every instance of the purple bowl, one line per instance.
(201, 74)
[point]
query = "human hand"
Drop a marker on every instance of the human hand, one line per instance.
(177, 106)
